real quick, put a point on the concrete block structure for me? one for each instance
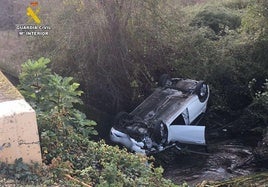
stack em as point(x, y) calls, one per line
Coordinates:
point(19, 136)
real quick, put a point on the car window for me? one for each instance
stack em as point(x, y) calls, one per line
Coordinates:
point(179, 120)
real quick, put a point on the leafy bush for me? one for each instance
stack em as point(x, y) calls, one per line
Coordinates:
point(53, 97)
point(217, 19)
point(110, 166)
point(19, 171)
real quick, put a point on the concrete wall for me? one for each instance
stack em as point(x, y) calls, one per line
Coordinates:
point(18, 128)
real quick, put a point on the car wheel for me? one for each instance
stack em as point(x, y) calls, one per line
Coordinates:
point(164, 80)
point(202, 91)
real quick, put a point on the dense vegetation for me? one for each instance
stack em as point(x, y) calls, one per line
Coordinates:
point(69, 155)
point(117, 49)
point(118, 52)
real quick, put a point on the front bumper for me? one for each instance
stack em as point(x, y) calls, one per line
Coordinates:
point(124, 139)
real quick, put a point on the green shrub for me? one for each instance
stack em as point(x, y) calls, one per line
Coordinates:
point(54, 99)
point(217, 19)
point(19, 171)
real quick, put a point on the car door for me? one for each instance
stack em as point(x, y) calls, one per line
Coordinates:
point(188, 134)
point(195, 108)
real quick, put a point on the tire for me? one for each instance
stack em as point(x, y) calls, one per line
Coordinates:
point(164, 80)
point(202, 91)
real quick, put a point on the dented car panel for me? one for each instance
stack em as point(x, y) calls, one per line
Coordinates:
point(163, 104)
point(164, 118)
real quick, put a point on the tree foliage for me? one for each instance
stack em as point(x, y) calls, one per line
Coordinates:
point(53, 97)
point(218, 19)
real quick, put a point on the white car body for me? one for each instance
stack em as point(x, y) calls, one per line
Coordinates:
point(165, 117)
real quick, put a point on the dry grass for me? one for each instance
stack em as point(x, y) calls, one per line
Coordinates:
point(12, 51)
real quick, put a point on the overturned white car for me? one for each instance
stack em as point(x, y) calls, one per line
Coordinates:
point(164, 118)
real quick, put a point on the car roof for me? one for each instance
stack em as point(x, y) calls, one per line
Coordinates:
point(163, 104)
